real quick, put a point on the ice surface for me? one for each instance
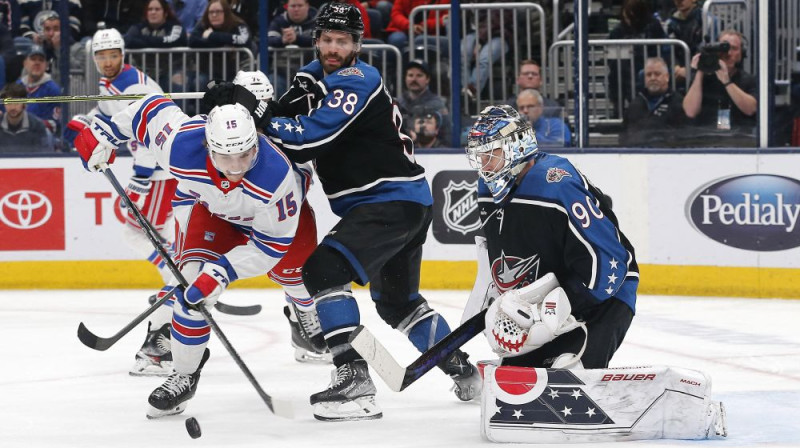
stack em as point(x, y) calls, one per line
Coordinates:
point(55, 392)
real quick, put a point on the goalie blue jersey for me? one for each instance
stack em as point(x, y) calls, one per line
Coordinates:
point(556, 221)
point(348, 124)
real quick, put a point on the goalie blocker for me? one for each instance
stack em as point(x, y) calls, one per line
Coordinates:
point(537, 405)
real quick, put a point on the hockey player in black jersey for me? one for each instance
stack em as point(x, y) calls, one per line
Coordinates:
point(339, 114)
point(549, 231)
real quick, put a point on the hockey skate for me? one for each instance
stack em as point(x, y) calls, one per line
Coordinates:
point(171, 397)
point(155, 356)
point(717, 428)
point(467, 378)
point(307, 340)
point(350, 396)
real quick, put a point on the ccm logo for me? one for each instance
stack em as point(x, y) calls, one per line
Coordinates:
point(629, 377)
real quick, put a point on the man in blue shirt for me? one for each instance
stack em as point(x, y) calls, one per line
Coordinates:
point(550, 131)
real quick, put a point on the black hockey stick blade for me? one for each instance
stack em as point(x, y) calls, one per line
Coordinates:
point(93, 341)
point(247, 310)
point(398, 377)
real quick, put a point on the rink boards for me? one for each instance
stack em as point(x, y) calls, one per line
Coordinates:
point(702, 224)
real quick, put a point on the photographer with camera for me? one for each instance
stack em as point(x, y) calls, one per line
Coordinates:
point(726, 100)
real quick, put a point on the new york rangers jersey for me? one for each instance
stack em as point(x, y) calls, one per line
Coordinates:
point(348, 124)
point(131, 81)
point(553, 221)
point(265, 205)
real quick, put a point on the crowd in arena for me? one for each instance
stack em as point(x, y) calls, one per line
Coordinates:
point(650, 101)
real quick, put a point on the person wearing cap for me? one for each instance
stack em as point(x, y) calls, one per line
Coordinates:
point(418, 96)
point(21, 132)
point(39, 84)
point(426, 130)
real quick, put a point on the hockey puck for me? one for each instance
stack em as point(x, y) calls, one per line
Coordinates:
point(193, 427)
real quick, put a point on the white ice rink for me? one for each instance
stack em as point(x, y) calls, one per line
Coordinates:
point(55, 392)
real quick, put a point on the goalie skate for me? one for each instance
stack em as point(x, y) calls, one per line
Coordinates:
point(171, 397)
point(350, 396)
point(718, 428)
point(307, 340)
point(155, 356)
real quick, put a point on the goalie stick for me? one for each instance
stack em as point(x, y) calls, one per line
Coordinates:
point(398, 377)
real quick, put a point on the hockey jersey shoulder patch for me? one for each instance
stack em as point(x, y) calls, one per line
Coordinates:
point(555, 174)
point(350, 71)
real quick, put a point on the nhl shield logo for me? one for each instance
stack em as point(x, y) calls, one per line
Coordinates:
point(225, 184)
point(461, 206)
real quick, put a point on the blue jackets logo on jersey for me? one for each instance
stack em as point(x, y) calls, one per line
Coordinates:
point(754, 212)
point(350, 71)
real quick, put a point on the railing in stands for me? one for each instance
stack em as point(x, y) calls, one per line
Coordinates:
point(608, 56)
point(503, 73)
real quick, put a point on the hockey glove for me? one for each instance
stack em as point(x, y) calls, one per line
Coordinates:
point(229, 93)
point(137, 191)
point(74, 127)
point(207, 287)
point(96, 147)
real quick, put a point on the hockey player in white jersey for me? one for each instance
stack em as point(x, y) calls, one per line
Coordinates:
point(150, 187)
point(300, 311)
point(239, 208)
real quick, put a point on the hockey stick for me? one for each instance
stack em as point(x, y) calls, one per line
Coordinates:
point(158, 242)
point(283, 409)
point(93, 341)
point(81, 98)
point(398, 377)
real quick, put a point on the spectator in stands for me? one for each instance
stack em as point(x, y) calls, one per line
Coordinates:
point(685, 23)
point(247, 10)
point(38, 84)
point(35, 12)
point(655, 113)
point(530, 77)
point(293, 27)
point(120, 15)
point(7, 52)
point(189, 12)
point(399, 22)
point(417, 96)
point(160, 28)
point(426, 126)
point(725, 99)
point(219, 27)
point(10, 15)
point(20, 131)
point(484, 46)
point(637, 22)
point(550, 131)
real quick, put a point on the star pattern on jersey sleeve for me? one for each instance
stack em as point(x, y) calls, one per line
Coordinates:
point(288, 127)
point(612, 279)
point(276, 126)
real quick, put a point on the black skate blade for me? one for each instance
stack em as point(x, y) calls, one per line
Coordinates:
point(235, 310)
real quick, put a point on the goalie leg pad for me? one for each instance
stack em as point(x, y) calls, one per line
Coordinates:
point(537, 405)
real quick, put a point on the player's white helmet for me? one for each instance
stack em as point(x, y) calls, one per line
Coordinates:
point(498, 144)
point(230, 131)
point(257, 83)
point(109, 39)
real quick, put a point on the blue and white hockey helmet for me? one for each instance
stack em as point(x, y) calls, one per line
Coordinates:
point(498, 144)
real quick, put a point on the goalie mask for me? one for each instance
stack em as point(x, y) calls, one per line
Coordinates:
point(108, 63)
point(498, 145)
point(342, 18)
point(257, 83)
point(232, 140)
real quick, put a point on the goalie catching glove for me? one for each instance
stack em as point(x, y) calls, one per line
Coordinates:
point(522, 320)
point(206, 288)
point(97, 143)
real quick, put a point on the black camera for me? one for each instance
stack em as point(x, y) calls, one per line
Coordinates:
point(710, 55)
